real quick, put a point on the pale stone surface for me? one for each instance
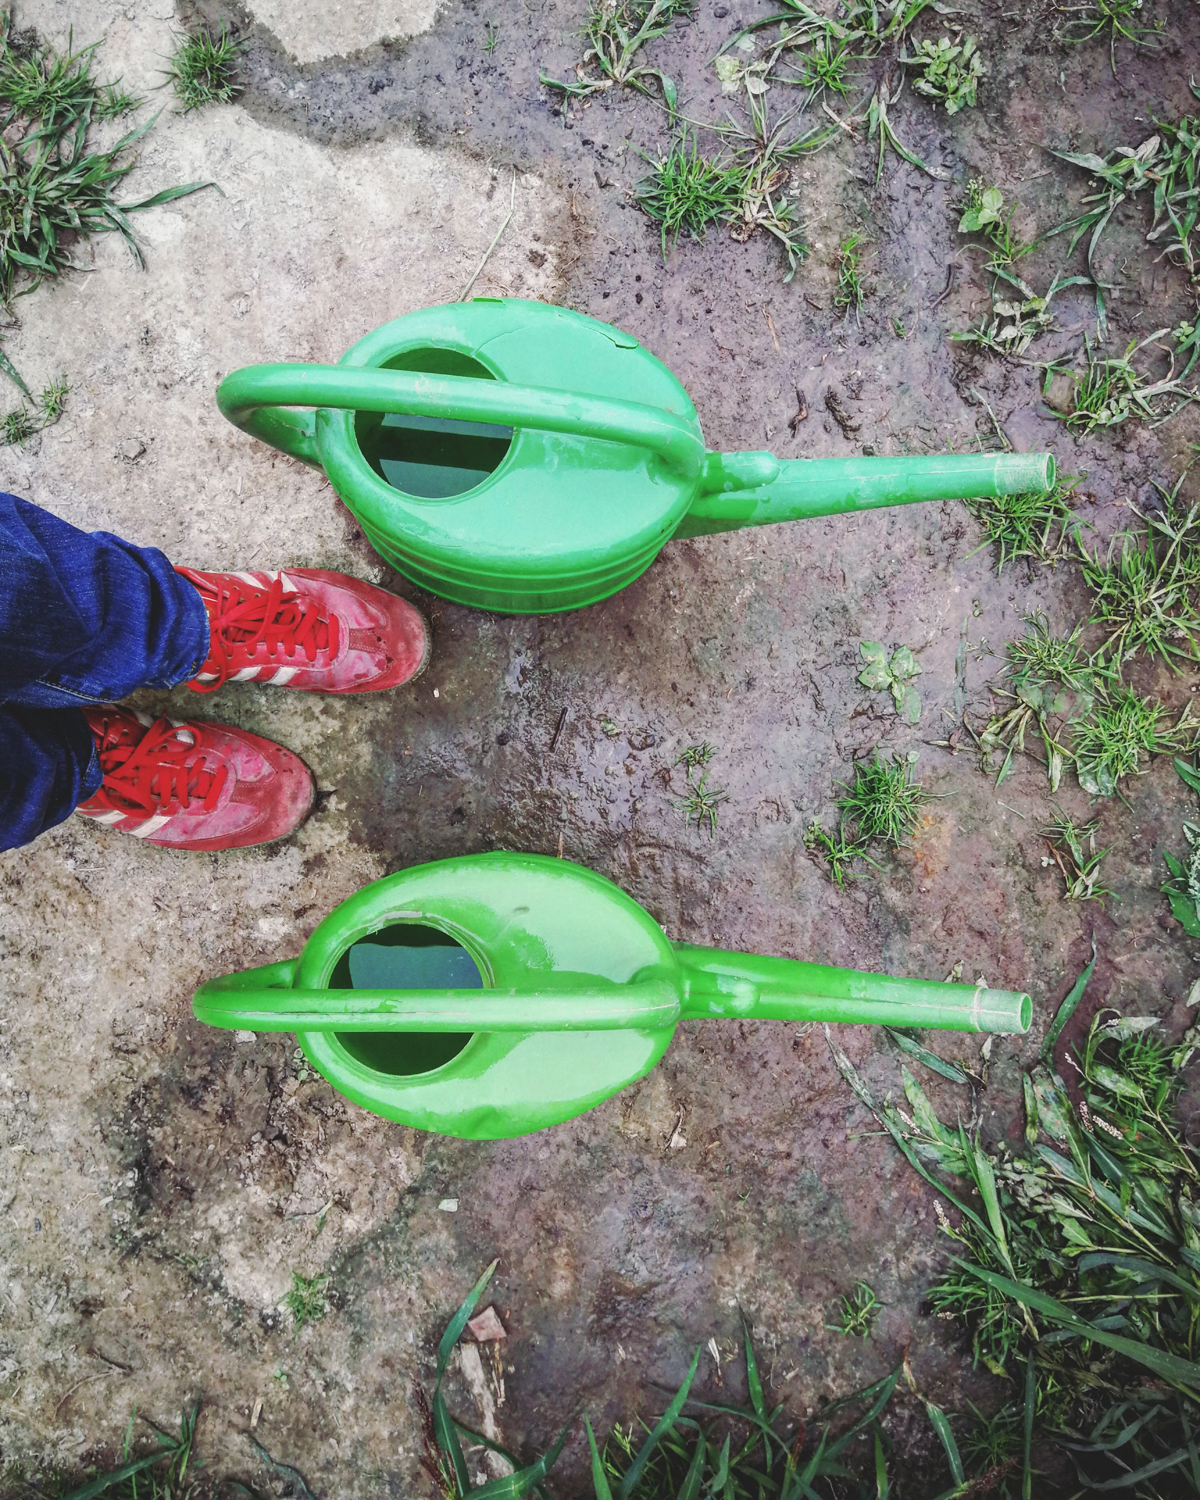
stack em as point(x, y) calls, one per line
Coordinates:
point(103, 939)
point(312, 32)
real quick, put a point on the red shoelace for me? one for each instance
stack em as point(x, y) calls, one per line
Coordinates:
point(156, 774)
point(242, 618)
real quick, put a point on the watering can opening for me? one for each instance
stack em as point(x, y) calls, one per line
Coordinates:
point(432, 458)
point(405, 956)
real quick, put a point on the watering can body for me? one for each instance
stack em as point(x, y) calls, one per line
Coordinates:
point(534, 990)
point(524, 458)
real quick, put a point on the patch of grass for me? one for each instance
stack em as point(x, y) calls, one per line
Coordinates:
point(54, 191)
point(749, 1451)
point(1165, 166)
point(53, 399)
point(1110, 390)
point(1031, 525)
point(201, 69)
point(17, 427)
point(491, 36)
point(1117, 17)
point(1182, 889)
point(1076, 1270)
point(1146, 587)
point(1122, 733)
point(616, 31)
point(1048, 676)
point(307, 1300)
point(37, 84)
point(826, 66)
point(850, 291)
point(687, 192)
point(949, 72)
point(883, 803)
point(856, 1315)
point(1073, 849)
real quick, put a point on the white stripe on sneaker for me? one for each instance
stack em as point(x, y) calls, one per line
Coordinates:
point(255, 583)
point(283, 676)
point(245, 674)
point(151, 825)
point(112, 816)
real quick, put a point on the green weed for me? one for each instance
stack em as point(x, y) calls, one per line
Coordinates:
point(895, 673)
point(53, 190)
point(826, 66)
point(1109, 391)
point(748, 1451)
point(849, 292)
point(491, 36)
point(1048, 676)
point(949, 72)
point(307, 1300)
point(1117, 17)
point(1076, 1269)
point(1145, 588)
point(700, 804)
point(856, 1315)
point(1031, 525)
point(201, 69)
point(53, 399)
point(16, 427)
point(883, 803)
point(687, 192)
point(982, 212)
point(1121, 734)
point(1182, 889)
point(616, 31)
point(1073, 849)
point(19, 425)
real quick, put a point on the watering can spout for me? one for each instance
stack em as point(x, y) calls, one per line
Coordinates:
point(754, 489)
point(748, 987)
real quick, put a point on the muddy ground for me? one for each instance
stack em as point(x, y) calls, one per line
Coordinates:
point(161, 1181)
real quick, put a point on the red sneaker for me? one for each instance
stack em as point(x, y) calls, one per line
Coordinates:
point(305, 628)
point(194, 786)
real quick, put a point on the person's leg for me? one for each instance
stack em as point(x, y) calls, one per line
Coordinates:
point(86, 617)
point(48, 766)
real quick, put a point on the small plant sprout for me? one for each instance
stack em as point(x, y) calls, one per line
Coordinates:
point(983, 214)
point(491, 36)
point(879, 125)
point(949, 72)
point(857, 1312)
point(1031, 525)
point(850, 291)
point(616, 31)
point(825, 65)
point(307, 1300)
point(1116, 17)
point(895, 674)
point(700, 804)
point(53, 399)
point(201, 69)
point(1073, 850)
point(16, 427)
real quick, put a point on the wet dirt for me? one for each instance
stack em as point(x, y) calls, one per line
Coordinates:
point(740, 1177)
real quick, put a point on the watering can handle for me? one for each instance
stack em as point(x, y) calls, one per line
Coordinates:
point(256, 399)
point(253, 1002)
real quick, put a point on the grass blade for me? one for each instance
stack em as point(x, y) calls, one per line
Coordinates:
point(939, 1064)
point(691, 1484)
point(599, 1478)
point(941, 1426)
point(516, 1486)
point(104, 1482)
point(1067, 1009)
point(1027, 1428)
point(459, 1321)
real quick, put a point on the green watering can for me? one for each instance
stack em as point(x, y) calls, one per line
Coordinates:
point(494, 995)
point(519, 457)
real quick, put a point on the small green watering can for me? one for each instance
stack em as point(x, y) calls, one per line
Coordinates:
point(494, 995)
point(519, 457)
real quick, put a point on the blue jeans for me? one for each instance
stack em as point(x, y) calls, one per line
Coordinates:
point(84, 618)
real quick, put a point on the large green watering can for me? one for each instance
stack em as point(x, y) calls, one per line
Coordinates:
point(491, 996)
point(519, 457)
